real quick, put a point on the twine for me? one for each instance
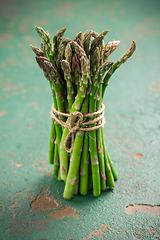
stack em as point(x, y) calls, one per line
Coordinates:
point(74, 126)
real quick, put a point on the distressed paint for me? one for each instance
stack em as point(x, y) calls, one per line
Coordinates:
point(131, 128)
point(131, 209)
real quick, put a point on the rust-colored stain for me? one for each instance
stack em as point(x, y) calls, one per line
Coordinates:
point(146, 29)
point(3, 184)
point(65, 222)
point(44, 22)
point(156, 87)
point(26, 195)
point(150, 232)
point(37, 89)
point(3, 65)
point(12, 206)
point(140, 165)
point(6, 229)
point(12, 61)
point(29, 127)
point(94, 12)
point(63, 212)
point(29, 38)
point(13, 89)
point(13, 195)
point(95, 232)
point(36, 165)
point(19, 164)
point(6, 36)
point(66, 9)
point(2, 113)
point(102, 231)
point(45, 191)
point(147, 25)
point(113, 139)
point(90, 24)
point(2, 155)
point(2, 207)
point(138, 155)
point(129, 175)
point(42, 169)
point(154, 210)
point(34, 104)
point(142, 145)
point(131, 139)
point(24, 25)
point(43, 203)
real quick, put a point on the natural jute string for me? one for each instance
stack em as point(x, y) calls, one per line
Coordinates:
point(73, 126)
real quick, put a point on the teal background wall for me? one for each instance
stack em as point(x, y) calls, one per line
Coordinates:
point(132, 129)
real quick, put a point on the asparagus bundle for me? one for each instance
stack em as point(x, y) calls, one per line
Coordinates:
point(79, 72)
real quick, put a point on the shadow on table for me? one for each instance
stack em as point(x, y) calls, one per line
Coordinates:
point(50, 186)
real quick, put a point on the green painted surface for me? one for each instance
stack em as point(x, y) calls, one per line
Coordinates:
point(132, 129)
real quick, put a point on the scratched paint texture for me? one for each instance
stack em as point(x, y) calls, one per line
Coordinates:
point(31, 202)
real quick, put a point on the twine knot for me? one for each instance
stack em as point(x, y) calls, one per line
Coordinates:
point(75, 123)
point(76, 120)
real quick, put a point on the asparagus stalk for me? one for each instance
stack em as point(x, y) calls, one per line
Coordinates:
point(40, 53)
point(67, 75)
point(109, 173)
point(84, 34)
point(61, 52)
point(76, 153)
point(51, 142)
point(53, 134)
point(76, 106)
point(92, 134)
point(76, 69)
point(75, 160)
point(84, 167)
point(78, 36)
point(116, 65)
point(50, 74)
point(57, 39)
point(70, 96)
point(102, 161)
point(110, 168)
point(37, 51)
point(86, 43)
point(76, 186)
point(94, 97)
point(108, 49)
point(80, 43)
point(93, 149)
point(99, 144)
point(54, 78)
point(56, 160)
point(47, 43)
point(95, 63)
point(90, 183)
point(74, 166)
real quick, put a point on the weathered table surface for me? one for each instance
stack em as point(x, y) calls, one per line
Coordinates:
point(31, 202)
